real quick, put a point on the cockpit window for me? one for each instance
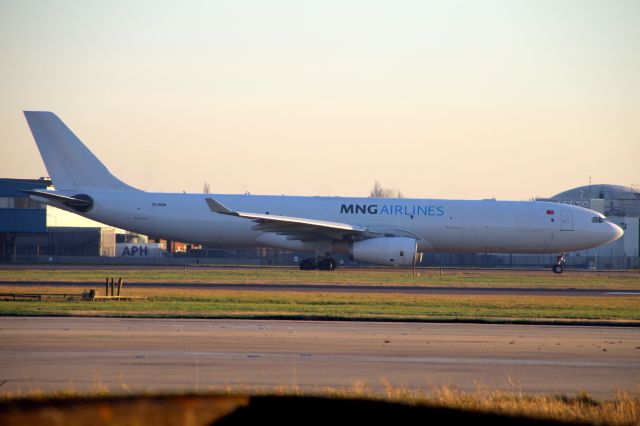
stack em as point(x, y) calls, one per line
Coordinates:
point(596, 219)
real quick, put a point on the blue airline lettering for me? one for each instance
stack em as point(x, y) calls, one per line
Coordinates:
point(346, 209)
point(392, 209)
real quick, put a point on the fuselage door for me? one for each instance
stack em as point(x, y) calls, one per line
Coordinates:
point(566, 220)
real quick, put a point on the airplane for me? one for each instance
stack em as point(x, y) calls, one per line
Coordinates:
point(382, 231)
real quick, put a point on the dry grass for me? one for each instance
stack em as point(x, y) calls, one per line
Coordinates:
point(624, 409)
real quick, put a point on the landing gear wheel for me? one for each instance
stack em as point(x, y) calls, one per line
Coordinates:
point(327, 264)
point(558, 266)
point(308, 264)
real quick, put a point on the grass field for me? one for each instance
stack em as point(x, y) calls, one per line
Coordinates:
point(193, 303)
point(426, 277)
point(196, 303)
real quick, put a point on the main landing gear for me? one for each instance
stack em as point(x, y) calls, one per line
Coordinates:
point(558, 266)
point(322, 264)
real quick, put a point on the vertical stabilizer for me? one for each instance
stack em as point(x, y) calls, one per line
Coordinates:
point(69, 163)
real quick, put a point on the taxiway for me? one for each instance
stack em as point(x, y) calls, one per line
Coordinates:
point(178, 354)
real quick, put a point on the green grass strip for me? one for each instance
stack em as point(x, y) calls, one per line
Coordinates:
point(229, 304)
point(426, 277)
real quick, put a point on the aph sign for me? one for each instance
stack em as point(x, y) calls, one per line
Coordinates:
point(135, 251)
point(138, 250)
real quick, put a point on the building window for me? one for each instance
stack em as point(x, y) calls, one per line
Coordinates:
point(19, 203)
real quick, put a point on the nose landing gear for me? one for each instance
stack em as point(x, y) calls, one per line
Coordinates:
point(558, 267)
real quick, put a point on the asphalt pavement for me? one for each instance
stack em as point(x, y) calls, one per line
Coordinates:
point(121, 355)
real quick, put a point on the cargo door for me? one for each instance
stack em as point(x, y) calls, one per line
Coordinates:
point(566, 220)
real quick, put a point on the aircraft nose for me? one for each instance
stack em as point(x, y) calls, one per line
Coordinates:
point(614, 232)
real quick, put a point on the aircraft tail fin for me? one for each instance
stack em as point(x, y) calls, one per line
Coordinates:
point(70, 164)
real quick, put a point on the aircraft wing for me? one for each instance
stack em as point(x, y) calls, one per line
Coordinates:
point(296, 228)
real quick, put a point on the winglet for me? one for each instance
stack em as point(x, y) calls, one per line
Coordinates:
point(217, 207)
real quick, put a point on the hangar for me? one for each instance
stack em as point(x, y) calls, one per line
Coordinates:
point(26, 233)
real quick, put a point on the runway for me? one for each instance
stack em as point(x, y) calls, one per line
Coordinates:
point(342, 288)
point(172, 354)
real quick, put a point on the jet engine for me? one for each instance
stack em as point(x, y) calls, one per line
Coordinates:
point(392, 251)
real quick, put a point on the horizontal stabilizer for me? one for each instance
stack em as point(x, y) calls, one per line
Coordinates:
point(80, 202)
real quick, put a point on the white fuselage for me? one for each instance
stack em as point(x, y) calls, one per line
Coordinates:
point(437, 225)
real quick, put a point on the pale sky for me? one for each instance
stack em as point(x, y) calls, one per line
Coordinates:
point(452, 99)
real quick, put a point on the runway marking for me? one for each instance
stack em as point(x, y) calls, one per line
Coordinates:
point(149, 356)
point(427, 360)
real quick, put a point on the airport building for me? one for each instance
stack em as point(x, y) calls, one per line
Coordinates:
point(18, 213)
point(27, 234)
point(32, 232)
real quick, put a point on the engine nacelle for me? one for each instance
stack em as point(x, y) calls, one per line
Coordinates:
point(391, 251)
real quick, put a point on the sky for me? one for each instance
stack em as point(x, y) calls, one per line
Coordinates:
point(450, 99)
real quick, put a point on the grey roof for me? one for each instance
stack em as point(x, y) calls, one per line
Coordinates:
point(608, 192)
point(618, 200)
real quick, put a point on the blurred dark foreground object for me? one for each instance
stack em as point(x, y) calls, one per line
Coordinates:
point(200, 410)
